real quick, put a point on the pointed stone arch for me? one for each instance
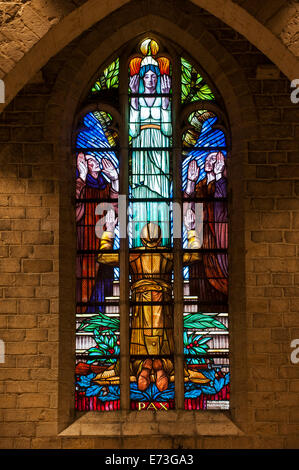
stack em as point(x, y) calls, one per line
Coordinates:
point(92, 11)
point(71, 86)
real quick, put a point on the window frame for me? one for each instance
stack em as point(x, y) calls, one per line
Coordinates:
point(178, 121)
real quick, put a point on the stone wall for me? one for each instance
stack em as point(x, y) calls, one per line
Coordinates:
point(37, 242)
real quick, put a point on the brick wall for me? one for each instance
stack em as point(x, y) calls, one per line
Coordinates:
point(29, 271)
point(36, 289)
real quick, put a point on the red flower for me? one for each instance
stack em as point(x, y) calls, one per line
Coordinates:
point(111, 351)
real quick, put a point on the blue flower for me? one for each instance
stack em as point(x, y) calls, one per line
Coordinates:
point(152, 393)
point(192, 390)
point(85, 380)
point(93, 391)
point(111, 392)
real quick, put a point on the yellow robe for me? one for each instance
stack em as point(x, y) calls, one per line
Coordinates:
point(151, 295)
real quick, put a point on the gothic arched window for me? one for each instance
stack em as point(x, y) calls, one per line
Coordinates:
point(151, 147)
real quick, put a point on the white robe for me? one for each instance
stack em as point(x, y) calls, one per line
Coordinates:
point(150, 167)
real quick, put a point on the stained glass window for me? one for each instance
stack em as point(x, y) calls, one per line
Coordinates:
point(97, 188)
point(130, 140)
point(150, 195)
point(206, 278)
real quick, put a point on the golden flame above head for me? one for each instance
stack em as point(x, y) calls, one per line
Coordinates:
point(149, 47)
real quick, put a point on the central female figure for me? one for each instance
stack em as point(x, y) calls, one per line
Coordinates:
point(150, 129)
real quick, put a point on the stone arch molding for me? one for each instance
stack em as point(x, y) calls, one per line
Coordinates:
point(231, 82)
point(93, 11)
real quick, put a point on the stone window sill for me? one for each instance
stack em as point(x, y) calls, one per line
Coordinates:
point(168, 423)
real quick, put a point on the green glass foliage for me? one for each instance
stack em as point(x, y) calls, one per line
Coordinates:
point(109, 78)
point(201, 321)
point(107, 346)
point(193, 86)
point(101, 321)
point(103, 328)
point(197, 321)
point(195, 344)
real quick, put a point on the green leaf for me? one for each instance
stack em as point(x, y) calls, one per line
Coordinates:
point(200, 350)
point(186, 64)
point(93, 350)
point(100, 321)
point(205, 92)
point(111, 67)
point(114, 81)
point(200, 321)
point(187, 74)
point(185, 92)
point(105, 80)
point(185, 80)
point(205, 339)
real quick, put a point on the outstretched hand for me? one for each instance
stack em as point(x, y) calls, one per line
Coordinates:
point(109, 169)
point(111, 221)
point(165, 84)
point(134, 83)
point(193, 171)
point(82, 166)
point(219, 164)
point(189, 220)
